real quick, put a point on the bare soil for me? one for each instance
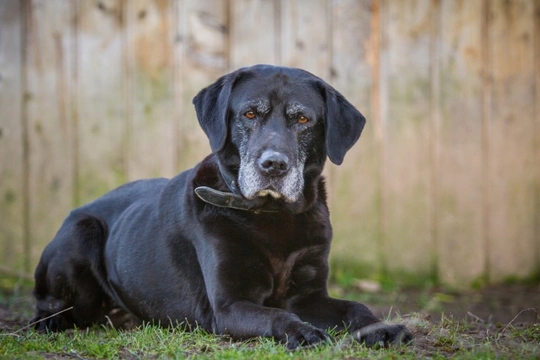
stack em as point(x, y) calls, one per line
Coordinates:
point(494, 305)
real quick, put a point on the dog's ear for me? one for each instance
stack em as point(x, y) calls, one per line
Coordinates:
point(343, 124)
point(212, 106)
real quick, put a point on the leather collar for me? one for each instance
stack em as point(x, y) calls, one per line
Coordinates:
point(233, 199)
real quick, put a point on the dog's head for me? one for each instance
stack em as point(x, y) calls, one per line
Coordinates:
point(271, 127)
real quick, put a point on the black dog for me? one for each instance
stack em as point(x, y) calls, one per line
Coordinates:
point(237, 245)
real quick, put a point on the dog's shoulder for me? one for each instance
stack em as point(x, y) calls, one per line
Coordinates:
point(207, 173)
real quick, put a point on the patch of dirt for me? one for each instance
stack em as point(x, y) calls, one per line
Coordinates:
point(493, 305)
point(15, 312)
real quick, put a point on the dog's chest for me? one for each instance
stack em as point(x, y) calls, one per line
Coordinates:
point(290, 274)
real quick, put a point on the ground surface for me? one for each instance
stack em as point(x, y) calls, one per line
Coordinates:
point(499, 321)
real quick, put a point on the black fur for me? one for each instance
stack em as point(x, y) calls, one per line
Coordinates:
point(156, 251)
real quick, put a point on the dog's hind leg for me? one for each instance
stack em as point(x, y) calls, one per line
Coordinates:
point(69, 278)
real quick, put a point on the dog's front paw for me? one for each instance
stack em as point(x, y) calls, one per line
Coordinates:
point(51, 323)
point(383, 335)
point(304, 335)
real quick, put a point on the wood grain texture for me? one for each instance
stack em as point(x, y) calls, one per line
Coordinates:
point(50, 128)
point(12, 163)
point(406, 116)
point(201, 56)
point(254, 33)
point(512, 176)
point(306, 43)
point(459, 203)
point(536, 129)
point(102, 96)
point(305, 35)
point(356, 187)
point(151, 128)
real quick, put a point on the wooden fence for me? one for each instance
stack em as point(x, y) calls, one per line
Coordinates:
point(444, 182)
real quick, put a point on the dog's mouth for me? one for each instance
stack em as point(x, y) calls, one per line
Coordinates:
point(269, 192)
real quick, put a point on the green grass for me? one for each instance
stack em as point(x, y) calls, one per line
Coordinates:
point(153, 342)
point(456, 338)
point(446, 336)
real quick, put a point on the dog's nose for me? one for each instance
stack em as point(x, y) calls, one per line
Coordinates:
point(273, 163)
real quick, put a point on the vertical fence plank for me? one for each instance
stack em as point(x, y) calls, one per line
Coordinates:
point(50, 129)
point(200, 58)
point(405, 102)
point(460, 237)
point(512, 166)
point(305, 35)
point(254, 32)
point(356, 187)
point(150, 42)
point(11, 138)
point(536, 41)
point(102, 139)
point(306, 43)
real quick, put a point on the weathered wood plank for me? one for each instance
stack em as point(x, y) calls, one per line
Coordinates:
point(356, 187)
point(305, 35)
point(152, 132)
point(12, 171)
point(254, 33)
point(459, 212)
point(512, 164)
point(536, 41)
point(50, 128)
point(102, 117)
point(201, 56)
point(406, 115)
point(306, 42)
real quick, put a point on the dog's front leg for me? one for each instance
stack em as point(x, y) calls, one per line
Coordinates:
point(240, 294)
point(326, 312)
point(245, 319)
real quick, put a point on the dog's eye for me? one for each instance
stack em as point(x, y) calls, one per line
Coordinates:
point(250, 114)
point(302, 119)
